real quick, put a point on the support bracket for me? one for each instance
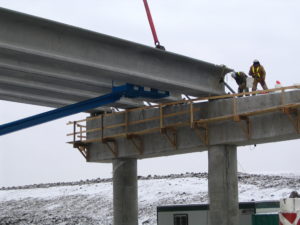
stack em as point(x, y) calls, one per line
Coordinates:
point(82, 147)
point(138, 142)
point(246, 127)
point(171, 134)
point(112, 145)
point(294, 116)
point(201, 131)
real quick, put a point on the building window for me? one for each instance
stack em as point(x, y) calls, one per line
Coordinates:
point(181, 219)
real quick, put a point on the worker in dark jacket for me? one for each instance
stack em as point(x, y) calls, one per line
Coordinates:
point(258, 72)
point(241, 80)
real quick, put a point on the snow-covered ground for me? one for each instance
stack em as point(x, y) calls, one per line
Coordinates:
point(90, 202)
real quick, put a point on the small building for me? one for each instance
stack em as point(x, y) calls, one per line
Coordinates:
point(251, 213)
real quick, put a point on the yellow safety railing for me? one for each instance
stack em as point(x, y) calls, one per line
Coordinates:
point(80, 131)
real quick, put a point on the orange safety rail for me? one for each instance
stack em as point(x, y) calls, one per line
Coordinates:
point(79, 133)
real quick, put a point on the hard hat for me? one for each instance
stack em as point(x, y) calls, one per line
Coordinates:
point(255, 61)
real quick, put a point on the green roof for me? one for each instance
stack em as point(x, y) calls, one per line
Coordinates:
point(195, 207)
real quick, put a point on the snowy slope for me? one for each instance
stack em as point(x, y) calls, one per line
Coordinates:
point(90, 202)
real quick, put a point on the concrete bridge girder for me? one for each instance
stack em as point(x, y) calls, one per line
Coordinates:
point(70, 56)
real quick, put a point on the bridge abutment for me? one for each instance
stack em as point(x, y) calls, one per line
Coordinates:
point(223, 185)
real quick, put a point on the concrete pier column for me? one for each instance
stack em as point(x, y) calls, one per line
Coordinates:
point(223, 185)
point(125, 196)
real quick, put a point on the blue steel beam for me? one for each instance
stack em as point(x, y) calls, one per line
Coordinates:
point(127, 90)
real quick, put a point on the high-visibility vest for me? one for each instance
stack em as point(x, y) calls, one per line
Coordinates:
point(256, 72)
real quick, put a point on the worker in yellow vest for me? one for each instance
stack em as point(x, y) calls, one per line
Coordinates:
point(258, 72)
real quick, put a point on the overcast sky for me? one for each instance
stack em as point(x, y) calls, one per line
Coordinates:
point(222, 32)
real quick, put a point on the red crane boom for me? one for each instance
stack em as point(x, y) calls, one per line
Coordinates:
point(156, 42)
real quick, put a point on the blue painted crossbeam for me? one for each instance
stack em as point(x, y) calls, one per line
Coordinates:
point(127, 90)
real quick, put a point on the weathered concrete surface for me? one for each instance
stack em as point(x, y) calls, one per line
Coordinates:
point(125, 195)
point(270, 127)
point(52, 64)
point(223, 185)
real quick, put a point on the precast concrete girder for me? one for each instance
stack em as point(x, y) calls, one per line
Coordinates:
point(53, 79)
point(71, 56)
point(36, 93)
point(12, 96)
point(275, 121)
point(32, 80)
point(30, 100)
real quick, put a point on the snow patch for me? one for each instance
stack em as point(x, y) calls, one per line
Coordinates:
point(91, 202)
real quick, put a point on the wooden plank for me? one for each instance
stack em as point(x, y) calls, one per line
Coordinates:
point(161, 117)
point(191, 114)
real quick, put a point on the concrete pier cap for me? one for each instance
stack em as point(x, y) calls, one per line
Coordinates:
point(261, 119)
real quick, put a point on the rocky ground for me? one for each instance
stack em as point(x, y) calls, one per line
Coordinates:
point(90, 202)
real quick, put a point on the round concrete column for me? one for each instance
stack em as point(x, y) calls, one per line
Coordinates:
point(223, 185)
point(125, 200)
